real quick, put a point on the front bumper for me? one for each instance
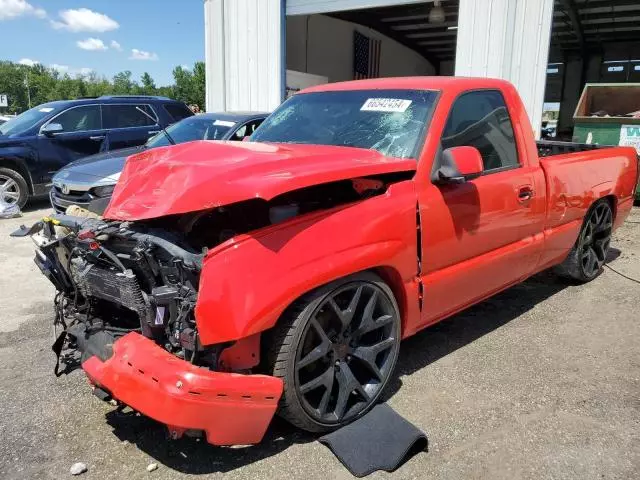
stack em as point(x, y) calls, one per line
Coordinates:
point(231, 409)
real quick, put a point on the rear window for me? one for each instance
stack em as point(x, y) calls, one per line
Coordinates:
point(177, 111)
point(127, 116)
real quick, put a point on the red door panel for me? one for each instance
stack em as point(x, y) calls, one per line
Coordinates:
point(479, 237)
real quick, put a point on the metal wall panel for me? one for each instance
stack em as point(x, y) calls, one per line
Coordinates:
point(308, 7)
point(507, 39)
point(244, 59)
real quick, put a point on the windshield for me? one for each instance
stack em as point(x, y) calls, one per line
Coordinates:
point(192, 128)
point(28, 119)
point(389, 121)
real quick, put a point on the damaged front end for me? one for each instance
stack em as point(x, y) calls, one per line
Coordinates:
point(124, 311)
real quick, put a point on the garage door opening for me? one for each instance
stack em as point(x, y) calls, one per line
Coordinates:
point(592, 41)
point(400, 40)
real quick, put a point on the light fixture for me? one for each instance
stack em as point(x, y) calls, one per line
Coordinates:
point(436, 14)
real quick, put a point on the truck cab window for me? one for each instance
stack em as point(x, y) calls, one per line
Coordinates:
point(480, 119)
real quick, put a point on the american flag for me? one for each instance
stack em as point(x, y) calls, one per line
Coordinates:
point(366, 56)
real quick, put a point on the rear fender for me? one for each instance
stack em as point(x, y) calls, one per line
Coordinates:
point(247, 282)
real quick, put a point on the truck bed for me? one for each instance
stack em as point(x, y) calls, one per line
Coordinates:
point(548, 148)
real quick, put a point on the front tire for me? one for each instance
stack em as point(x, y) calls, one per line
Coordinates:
point(13, 188)
point(335, 350)
point(589, 254)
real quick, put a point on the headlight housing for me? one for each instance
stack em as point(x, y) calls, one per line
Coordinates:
point(104, 191)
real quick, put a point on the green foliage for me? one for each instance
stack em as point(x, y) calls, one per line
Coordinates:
point(46, 84)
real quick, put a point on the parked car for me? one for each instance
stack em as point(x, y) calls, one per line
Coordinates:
point(89, 182)
point(229, 280)
point(37, 143)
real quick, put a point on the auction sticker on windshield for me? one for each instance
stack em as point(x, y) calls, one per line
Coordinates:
point(385, 105)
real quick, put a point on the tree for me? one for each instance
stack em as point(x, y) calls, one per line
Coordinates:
point(148, 86)
point(122, 83)
point(46, 84)
point(199, 84)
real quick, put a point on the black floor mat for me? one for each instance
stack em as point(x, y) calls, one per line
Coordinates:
point(381, 440)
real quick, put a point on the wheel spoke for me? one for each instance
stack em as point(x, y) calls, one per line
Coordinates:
point(369, 354)
point(12, 195)
point(325, 379)
point(592, 261)
point(371, 326)
point(347, 384)
point(345, 316)
point(320, 331)
point(324, 402)
point(316, 354)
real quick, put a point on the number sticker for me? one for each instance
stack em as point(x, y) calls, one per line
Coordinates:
point(385, 105)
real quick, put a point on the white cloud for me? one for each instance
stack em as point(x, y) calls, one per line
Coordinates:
point(84, 20)
point(59, 68)
point(91, 44)
point(84, 71)
point(28, 62)
point(16, 8)
point(116, 46)
point(142, 55)
point(185, 67)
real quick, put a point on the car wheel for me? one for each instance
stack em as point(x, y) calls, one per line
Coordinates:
point(13, 188)
point(589, 254)
point(335, 350)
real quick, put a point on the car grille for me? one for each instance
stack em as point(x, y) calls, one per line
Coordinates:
point(61, 201)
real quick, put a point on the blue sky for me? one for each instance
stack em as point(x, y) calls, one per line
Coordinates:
point(106, 36)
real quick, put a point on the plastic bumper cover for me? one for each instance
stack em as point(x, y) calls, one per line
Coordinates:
point(231, 409)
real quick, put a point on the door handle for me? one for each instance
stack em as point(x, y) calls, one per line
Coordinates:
point(153, 132)
point(525, 194)
point(96, 137)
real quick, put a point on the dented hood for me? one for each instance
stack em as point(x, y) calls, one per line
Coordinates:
point(207, 174)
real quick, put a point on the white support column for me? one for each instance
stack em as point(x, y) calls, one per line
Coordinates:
point(244, 59)
point(507, 39)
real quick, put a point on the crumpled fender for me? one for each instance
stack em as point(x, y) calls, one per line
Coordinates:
point(247, 282)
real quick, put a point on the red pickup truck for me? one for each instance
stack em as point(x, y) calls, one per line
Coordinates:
point(227, 281)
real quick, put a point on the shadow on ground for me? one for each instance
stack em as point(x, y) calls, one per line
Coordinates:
point(196, 456)
point(447, 336)
point(193, 456)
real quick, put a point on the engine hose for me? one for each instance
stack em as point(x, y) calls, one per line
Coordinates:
point(113, 258)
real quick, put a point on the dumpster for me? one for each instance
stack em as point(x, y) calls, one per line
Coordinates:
point(609, 114)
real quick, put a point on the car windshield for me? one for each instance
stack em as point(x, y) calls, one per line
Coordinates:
point(192, 128)
point(389, 121)
point(28, 119)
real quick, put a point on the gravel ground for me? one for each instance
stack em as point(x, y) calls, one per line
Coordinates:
point(542, 381)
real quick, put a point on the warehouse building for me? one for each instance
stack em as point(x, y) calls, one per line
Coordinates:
point(260, 51)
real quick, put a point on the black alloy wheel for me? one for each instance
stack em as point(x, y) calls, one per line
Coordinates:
point(595, 239)
point(589, 254)
point(344, 343)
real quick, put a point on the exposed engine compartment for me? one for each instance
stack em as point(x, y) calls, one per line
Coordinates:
point(115, 277)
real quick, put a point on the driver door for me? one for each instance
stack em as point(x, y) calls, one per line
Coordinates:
point(81, 135)
point(483, 235)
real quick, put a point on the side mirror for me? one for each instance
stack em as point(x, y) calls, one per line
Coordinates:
point(51, 128)
point(459, 164)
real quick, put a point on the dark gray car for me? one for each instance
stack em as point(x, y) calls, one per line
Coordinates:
point(89, 182)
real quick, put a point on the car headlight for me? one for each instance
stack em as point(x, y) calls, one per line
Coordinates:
point(104, 191)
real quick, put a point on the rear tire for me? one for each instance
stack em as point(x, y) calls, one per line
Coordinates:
point(335, 349)
point(13, 188)
point(589, 254)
